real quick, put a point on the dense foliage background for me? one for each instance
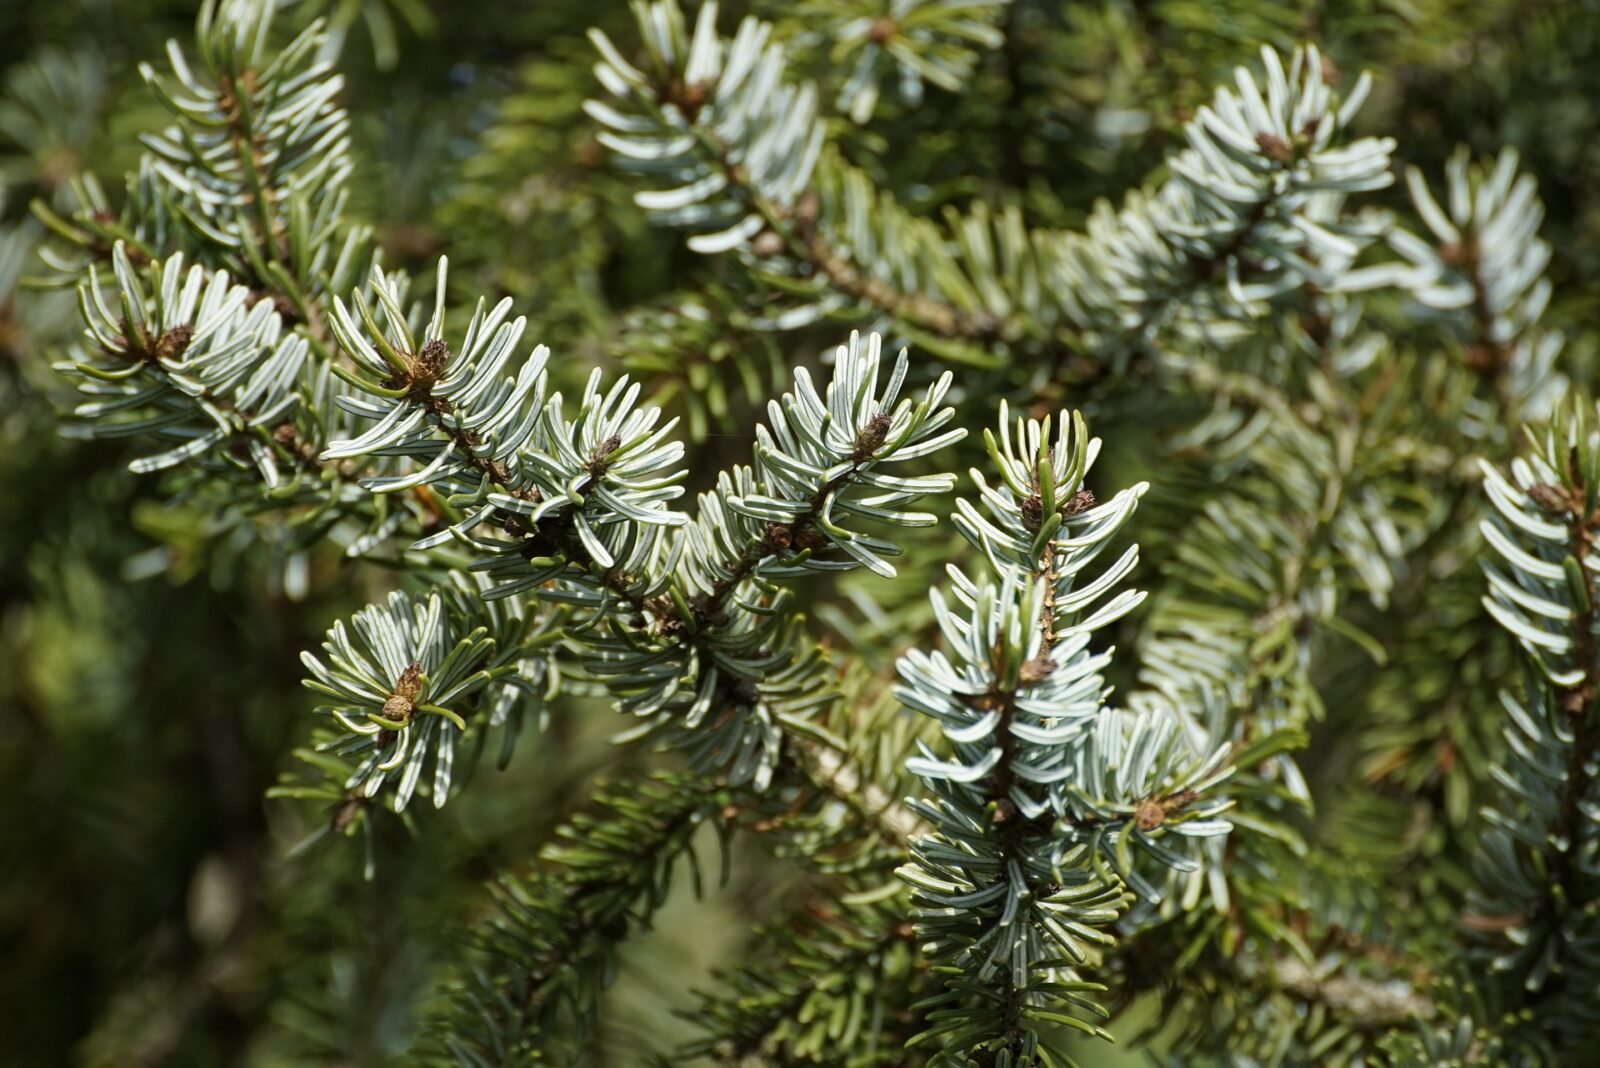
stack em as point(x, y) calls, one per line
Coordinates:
point(149, 912)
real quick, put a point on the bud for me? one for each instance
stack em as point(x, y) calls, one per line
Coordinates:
point(872, 436)
point(402, 701)
point(1150, 815)
point(1032, 511)
point(430, 362)
point(171, 345)
point(410, 684)
point(599, 458)
point(1037, 670)
point(1458, 254)
point(1081, 501)
point(1274, 147)
point(810, 539)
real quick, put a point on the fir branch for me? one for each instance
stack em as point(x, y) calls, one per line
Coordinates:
point(531, 982)
point(1263, 176)
point(722, 134)
point(838, 991)
point(1534, 906)
point(1014, 884)
point(422, 675)
point(189, 358)
point(1484, 275)
point(231, 311)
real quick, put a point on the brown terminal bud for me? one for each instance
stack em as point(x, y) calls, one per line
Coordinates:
point(1458, 253)
point(431, 360)
point(1482, 358)
point(777, 538)
point(599, 459)
point(694, 96)
point(1081, 501)
point(807, 208)
point(872, 436)
point(689, 98)
point(403, 701)
point(1037, 670)
point(1032, 511)
point(1274, 147)
point(410, 684)
point(1150, 815)
point(881, 30)
point(346, 812)
point(171, 345)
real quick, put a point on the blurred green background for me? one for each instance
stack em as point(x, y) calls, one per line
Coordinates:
point(148, 668)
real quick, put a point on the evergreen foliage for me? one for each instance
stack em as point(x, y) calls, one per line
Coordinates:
point(579, 360)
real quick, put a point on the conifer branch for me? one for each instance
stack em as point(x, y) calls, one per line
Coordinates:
point(1536, 866)
point(535, 970)
point(1262, 181)
point(1062, 854)
point(787, 1009)
point(1015, 884)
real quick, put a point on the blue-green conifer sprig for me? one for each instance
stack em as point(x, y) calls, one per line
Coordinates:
point(1534, 593)
point(499, 443)
point(1484, 274)
point(727, 633)
point(824, 234)
point(303, 135)
point(252, 177)
point(276, 203)
point(400, 685)
point(1041, 791)
point(183, 356)
point(737, 93)
point(1059, 841)
point(1532, 913)
point(1486, 236)
point(820, 458)
point(1264, 179)
point(1255, 209)
point(909, 43)
point(213, 189)
point(423, 400)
